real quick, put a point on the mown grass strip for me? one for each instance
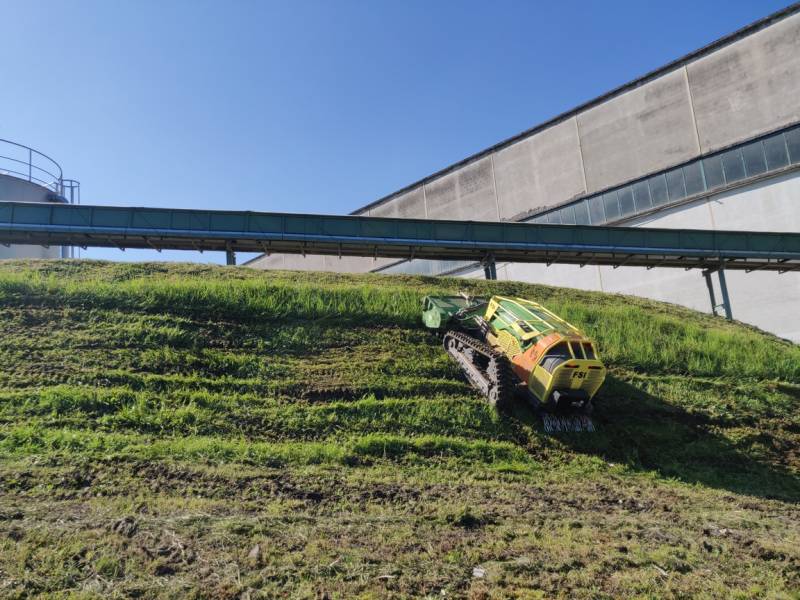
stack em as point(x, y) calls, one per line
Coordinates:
point(630, 335)
point(205, 413)
point(32, 440)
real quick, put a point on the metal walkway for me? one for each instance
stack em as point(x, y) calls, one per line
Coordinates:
point(228, 231)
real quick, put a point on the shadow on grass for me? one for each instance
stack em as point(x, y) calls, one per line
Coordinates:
point(644, 432)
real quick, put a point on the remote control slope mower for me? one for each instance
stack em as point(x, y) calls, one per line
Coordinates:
point(511, 346)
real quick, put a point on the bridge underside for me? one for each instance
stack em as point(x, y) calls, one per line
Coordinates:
point(550, 254)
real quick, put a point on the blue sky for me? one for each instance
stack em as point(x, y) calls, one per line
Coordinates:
point(317, 106)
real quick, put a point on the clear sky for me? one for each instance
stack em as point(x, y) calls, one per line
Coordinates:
point(317, 106)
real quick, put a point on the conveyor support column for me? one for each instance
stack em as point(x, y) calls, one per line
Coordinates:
point(490, 268)
point(723, 287)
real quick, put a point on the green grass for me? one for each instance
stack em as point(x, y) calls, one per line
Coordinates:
point(157, 422)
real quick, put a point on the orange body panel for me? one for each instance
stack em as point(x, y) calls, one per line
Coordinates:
point(543, 344)
point(523, 364)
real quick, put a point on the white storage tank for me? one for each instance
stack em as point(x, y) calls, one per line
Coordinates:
point(27, 175)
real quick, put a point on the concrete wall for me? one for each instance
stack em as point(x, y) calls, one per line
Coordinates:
point(746, 87)
point(18, 190)
point(468, 193)
point(767, 300)
point(410, 205)
point(540, 171)
point(25, 251)
point(642, 131)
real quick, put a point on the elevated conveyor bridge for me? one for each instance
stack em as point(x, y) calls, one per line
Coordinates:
point(485, 242)
point(231, 231)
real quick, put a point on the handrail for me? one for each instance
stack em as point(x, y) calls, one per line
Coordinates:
point(40, 167)
point(51, 185)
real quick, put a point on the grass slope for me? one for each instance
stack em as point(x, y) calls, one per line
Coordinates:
point(178, 430)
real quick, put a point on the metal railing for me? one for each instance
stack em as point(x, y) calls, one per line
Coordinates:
point(24, 162)
point(71, 191)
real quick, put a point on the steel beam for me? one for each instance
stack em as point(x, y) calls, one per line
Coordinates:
point(138, 227)
point(490, 269)
point(723, 288)
point(712, 297)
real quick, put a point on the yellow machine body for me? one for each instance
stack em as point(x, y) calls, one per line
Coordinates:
point(556, 360)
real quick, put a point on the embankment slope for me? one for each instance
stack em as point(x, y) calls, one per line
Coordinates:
point(182, 430)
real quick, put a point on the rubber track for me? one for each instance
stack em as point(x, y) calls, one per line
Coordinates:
point(504, 379)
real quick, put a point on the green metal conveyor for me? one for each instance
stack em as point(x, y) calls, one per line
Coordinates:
point(486, 242)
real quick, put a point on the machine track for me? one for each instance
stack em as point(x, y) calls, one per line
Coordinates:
point(488, 370)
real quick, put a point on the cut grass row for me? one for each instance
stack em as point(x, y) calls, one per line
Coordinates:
point(630, 336)
point(202, 413)
point(636, 430)
point(44, 441)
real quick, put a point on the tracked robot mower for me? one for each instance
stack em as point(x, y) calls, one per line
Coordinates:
point(509, 347)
